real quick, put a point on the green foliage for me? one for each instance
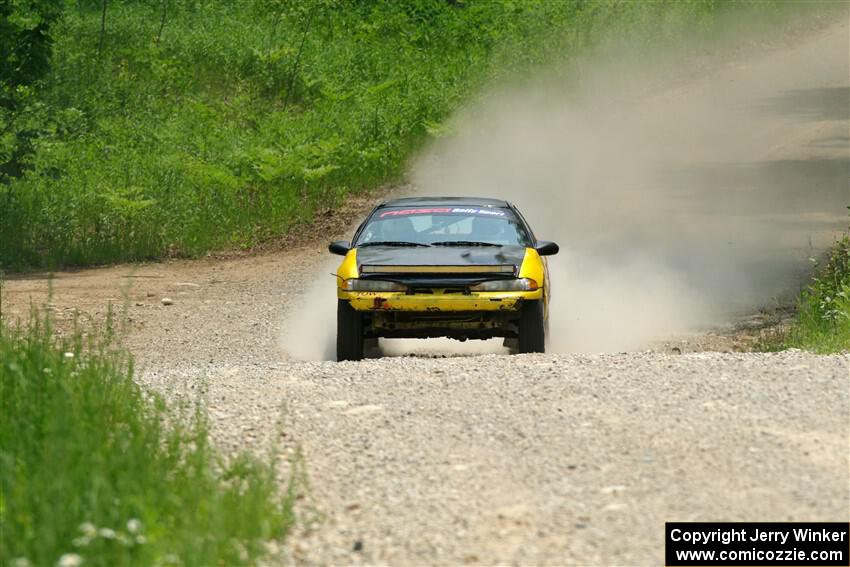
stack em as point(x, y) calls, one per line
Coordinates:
point(92, 465)
point(25, 42)
point(25, 47)
point(822, 322)
point(830, 285)
point(206, 123)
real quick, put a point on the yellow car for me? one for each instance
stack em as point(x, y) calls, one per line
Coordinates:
point(464, 268)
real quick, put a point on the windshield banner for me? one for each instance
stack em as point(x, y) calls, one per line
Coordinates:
point(444, 211)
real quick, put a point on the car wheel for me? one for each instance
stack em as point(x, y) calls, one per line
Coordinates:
point(532, 327)
point(349, 332)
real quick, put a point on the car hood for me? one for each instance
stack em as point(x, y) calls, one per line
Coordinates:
point(440, 259)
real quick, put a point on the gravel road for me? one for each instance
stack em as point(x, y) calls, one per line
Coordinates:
point(479, 458)
point(541, 459)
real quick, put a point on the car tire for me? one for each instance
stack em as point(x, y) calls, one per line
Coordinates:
point(532, 328)
point(349, 332)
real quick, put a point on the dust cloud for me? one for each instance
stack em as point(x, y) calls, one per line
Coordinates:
point(681, 196)
point(309, 330)
point(678, 200)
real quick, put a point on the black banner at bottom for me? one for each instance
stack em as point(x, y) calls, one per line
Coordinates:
point(762, 544)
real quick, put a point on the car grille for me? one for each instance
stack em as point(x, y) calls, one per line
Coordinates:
point(439, 291)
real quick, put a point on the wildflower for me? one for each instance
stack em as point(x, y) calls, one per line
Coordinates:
point(81, 541)
point(47, 371)
point(70, 560)
point(89, 530)
point(106, 533)
point(172, 559)
point(134, 525)
point(69, 355)
point(21, 562)
point(141, 540)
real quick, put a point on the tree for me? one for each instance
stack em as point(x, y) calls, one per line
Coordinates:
point(25, 48)
point(25, 43)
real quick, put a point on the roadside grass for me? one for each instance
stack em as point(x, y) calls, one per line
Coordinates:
point(96, 470)
point(822, 320)
point(213, 124)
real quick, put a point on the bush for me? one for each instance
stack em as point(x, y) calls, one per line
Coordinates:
point(92, 467)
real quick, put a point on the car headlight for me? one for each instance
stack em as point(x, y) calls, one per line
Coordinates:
point(356, 284)
point(521, 284)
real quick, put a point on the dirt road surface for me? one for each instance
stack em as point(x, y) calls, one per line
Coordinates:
point(532, 459)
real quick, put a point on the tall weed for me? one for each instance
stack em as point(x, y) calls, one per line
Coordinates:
point(94, 468)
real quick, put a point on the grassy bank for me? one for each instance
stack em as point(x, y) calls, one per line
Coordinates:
point(171, 127)
point(822, 321)
point(93, 470)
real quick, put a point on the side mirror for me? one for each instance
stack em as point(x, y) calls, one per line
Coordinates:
point(546, 248)
point(340, 247)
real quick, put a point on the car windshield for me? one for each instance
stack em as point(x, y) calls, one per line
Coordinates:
point(444, 226)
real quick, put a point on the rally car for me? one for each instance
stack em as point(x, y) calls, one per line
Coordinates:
point(464, 268)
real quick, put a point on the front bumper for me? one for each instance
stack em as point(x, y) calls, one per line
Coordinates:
point(438, 300)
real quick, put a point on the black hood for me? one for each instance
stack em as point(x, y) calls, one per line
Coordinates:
point(473, 263)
